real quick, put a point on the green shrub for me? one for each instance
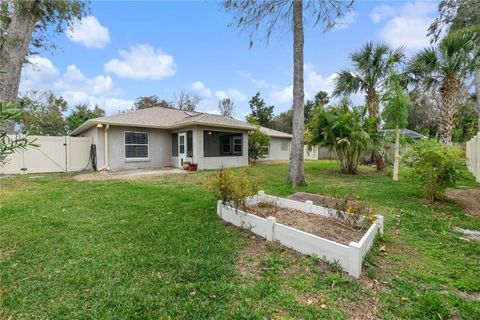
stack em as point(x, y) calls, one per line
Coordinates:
point(231, 187)
point(438, 167)
point(257, 145)
point(344, 130)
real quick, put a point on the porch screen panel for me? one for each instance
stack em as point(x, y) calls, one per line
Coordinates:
point(189, 143)
point(222, 144)
point(174, 144)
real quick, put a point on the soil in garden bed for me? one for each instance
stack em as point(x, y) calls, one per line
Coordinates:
point(318, 225)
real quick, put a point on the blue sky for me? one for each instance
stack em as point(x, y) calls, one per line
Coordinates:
point(124, 50)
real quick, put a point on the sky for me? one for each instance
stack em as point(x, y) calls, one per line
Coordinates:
point(126, 49)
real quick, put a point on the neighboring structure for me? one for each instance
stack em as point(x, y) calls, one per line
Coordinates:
point(473, 156)
point(279, 148)
point(280, 143)
point(158, 137)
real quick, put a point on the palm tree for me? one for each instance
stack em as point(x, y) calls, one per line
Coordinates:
point(266, 16)
point(371, 66)
point(444, 69)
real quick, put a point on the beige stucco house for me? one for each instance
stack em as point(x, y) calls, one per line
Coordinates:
point(279, 148)
point(158, 137)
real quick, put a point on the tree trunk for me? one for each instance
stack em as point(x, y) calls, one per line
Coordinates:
point(396, 160)
point(296, 173)
point(373, 111)
point(477, 94)
point(449, 93)
point(13, 49)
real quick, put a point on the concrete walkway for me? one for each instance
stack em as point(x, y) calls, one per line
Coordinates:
point(128, 174)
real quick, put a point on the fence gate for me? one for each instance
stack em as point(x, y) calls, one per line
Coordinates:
point(53, 154)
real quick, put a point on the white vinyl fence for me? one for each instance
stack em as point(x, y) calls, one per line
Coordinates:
point(473, 156)
point(53, 154)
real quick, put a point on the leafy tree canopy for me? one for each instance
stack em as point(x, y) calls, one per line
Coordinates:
point(82, 113)
point(151, 101)
point(261, 113)
point(43, 114)
point(10, 143)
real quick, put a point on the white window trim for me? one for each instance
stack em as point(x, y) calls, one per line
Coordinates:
point(136, 144)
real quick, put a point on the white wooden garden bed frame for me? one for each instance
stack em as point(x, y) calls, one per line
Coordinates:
point(350, 257)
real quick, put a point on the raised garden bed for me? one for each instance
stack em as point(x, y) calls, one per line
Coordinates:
point(306, 228)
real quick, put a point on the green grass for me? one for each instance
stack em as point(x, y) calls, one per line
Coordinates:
point(155, 249)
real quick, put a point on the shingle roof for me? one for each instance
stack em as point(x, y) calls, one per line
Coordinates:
point(275, 133)
point(164, 118)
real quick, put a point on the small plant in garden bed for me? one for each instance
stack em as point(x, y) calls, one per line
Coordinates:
point(352, 212)
point(232, 187)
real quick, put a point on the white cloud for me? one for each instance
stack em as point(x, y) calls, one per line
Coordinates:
point(233, 94)
point(110, 105)
point(74, 80)
point(142, 62)
point(38, 74)
point(313, 82)
point(409, 25)
point(381, 13)
point(346, 21)
point(73, 85)
point(260, 83)
point(89, 32)
point(284, 95)
point(202, 90)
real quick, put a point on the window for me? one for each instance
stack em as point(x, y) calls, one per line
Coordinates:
point(222, 144)
point(136, 145)
point(181, 143)
point(237, 144)
point(267, 152)
point(226, 145)
point(284, 145)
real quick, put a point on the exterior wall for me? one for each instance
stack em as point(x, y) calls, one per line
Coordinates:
point(217, 162)
point(96, 134)
point(276, 152)
point(160, 148)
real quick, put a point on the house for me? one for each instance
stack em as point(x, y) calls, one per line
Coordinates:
point(158, 137)
point(279, 148)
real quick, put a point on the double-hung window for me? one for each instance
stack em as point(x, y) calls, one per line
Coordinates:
point(136, 145)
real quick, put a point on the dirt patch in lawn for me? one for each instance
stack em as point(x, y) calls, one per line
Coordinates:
point(312, 223)
point(469, 198)
point(251, 258)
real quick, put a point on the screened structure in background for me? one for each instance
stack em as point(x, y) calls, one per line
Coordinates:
point(222, 144)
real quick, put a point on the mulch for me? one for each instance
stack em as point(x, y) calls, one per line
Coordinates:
point(315, 224)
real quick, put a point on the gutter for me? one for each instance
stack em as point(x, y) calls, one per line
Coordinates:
point(105, 150)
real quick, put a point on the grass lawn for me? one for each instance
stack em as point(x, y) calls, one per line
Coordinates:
point(156, 249)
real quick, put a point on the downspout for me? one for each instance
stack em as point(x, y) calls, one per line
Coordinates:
point(105, 145)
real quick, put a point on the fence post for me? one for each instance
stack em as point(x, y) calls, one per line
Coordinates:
point(219, 208)
point(309, 204)
point(477, 157)
point(270, 234)
point(355, 259)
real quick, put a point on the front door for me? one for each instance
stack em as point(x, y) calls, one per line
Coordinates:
point(182, 148)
